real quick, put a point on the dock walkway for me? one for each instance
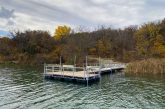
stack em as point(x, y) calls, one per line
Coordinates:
point(87, 74)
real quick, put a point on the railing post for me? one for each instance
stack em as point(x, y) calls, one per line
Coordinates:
point(99, 67)
point(60, 67)
point(73, 71)
point(99, 71)
point(63, 70)
point(84, 72)
point(75, 64)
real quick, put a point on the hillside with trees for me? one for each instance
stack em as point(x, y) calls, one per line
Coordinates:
point(126, 45)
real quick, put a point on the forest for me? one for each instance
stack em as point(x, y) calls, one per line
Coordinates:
point(125, 45)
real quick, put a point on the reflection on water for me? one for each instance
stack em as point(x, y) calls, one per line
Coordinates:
point(25, 88)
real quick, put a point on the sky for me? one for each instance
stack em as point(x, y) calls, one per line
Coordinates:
point(48, 14)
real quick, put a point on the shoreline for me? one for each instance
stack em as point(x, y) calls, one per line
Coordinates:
point(147, 66)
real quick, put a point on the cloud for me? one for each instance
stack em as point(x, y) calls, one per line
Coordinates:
point(5, 13)
point(48, 14)
point(10, 22)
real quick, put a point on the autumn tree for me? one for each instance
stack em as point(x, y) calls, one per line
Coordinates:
point(33, 42)
point(62, 31)
point(103, 48)
point(149, 41)
point(7, 46)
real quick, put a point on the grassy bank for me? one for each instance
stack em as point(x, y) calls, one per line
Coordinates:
point(148, 66)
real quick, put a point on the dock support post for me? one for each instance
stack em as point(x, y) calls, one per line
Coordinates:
point(44, 69)
point(74, 68)
point(75, 63)
point(87, 80)
point(86, 62)
point(100, 71)
point(86, 70)
point(99, 67)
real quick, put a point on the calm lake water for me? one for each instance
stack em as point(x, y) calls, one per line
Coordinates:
point(25, 88)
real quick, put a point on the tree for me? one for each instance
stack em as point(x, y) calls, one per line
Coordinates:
point(149, 41)
point(33, 42)
point(7, 46)
point(159, 47)
point(103, 48)
point(62, 31)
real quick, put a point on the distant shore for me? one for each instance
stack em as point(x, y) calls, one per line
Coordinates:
point(147, 66)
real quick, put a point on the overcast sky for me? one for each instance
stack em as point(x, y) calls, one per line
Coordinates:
point(48, 14)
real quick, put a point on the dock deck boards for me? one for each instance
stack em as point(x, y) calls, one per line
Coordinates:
point(79, 74)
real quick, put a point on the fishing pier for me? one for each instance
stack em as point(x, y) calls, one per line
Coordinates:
point(89, 73)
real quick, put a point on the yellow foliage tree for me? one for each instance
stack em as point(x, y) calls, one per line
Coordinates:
point(149, 41)
point(103, 47)
point(62, 31)
point(159, 46)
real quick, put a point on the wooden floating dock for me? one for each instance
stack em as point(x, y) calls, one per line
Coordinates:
point(88, 74)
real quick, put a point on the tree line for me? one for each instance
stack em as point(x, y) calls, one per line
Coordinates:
point(128, 44)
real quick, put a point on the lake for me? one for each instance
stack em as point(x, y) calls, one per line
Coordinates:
point(25, 88)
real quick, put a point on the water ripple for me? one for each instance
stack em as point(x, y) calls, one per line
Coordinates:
point(25, 88)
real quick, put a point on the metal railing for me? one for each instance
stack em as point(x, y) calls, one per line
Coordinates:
point(51, 68)
point(91, 68)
